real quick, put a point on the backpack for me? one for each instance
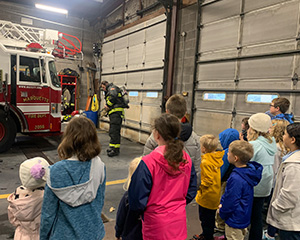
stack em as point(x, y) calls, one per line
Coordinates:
point(125, 96)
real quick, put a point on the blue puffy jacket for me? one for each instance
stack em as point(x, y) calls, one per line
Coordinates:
point(238, 197)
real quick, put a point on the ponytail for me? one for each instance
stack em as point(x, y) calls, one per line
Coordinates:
point(169, 127)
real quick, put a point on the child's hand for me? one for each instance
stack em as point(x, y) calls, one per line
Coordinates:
point(218, 211)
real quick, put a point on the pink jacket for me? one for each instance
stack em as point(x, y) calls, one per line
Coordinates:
point(25, 215)
point(168, 193)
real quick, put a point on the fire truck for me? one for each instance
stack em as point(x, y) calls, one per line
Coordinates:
point(30, 91)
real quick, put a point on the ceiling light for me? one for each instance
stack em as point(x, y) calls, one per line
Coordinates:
point(52, 9)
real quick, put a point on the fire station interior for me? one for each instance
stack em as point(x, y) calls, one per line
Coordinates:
point(227, 58)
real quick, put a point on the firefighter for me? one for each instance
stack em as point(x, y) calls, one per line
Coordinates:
point(115, 108)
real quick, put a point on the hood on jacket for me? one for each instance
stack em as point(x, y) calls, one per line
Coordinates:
point(28, 208)
point(215, 158)
point(80, 193)
point(284, 116)
point(262, 142)
point(227, 136)
point(251, 173)
point(186, 131)
point(158, 157)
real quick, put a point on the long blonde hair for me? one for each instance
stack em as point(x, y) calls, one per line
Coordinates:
point(279, 127)
point(253, 135)
point(132, 166)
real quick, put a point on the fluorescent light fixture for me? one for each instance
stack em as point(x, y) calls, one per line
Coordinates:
point(52, 9)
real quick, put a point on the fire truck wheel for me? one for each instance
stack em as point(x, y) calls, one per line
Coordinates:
point(8, 131)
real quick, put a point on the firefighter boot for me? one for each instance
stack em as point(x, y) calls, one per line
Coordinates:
point(109, 149)
point(114, 152)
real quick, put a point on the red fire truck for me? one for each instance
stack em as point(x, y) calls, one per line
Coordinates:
point(30, 91)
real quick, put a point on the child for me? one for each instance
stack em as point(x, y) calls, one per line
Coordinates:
point(236, 203)
point(208, 195)
point(277, 131)
point(284, 210)
point(278, 108)
point(25, 204)
point(245, 127)
point(176, 105)
point(74, 193)
point(264, 150)
point(163, 183)
point(226, 137)
point(128, 223)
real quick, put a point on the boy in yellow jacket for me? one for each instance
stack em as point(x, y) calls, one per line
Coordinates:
point(208, 195)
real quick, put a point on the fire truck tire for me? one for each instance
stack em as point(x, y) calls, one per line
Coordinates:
point(8, 131)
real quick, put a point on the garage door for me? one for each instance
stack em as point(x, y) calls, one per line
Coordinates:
point(134, 58)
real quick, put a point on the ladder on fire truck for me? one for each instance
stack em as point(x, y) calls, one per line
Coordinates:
point(13, 35)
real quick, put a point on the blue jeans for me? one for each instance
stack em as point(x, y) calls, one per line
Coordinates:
point(289, 235)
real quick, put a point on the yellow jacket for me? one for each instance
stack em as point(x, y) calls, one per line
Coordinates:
point(209, 193)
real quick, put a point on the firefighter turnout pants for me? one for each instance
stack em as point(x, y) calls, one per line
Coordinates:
point(115, 124)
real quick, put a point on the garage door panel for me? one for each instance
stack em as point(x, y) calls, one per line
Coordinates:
point(269, 48)
point(150, 113)
point(211, 123)
point(135, 57)
point(218, 54)
point(156, 31)
point(137, 38)
point(153, 79)
point(121, 43)
point(134, 80)
point(155, 51)
point(224, 9)
point(271, 24)
point(108, 47)
point(216, 71)
point(269, 84)
point(220, 35)
point(296, 111)
point(108, 62)
point(251, 5)
point(276, 67)
point(120, 60)
point(134, 112)
point(119, 79)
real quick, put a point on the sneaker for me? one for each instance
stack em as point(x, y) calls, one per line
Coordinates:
point(113, 152)
point(266, 236)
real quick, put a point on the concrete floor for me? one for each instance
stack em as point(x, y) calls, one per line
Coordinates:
point(116, 170)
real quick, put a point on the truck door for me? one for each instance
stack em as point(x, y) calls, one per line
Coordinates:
point(33, 93)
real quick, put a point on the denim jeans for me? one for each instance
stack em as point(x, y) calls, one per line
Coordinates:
point(207, 218)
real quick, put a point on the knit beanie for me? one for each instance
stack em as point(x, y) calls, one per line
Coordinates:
point(32, 172)
point(260, 122)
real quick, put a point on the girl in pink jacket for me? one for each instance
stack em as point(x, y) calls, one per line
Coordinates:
point(25, 204)
point(164, 182)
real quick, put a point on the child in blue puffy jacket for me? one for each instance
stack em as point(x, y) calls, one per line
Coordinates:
point(236, 203)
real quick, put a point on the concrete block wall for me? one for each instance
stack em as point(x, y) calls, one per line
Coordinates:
point(185, 52)
point(67, 24)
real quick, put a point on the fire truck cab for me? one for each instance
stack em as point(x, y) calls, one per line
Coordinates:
point(30, 95)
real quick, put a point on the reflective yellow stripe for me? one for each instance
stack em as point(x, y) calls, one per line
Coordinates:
point(114, 145)
point(109, 103)
point(116, 110)
point(119, 95)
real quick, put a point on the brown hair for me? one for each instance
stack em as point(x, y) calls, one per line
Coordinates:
point(279, 127)
point(253, 135)
point(176, 105)
point(282, 103)
point(209, 142)
point(242, 149)
point(245, 122)
point(80, 139)
point(168, 126)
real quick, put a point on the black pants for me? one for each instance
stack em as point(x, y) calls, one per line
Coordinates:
point(207, 218)
point(115, 128)
point(256, 219)
point(289, 235)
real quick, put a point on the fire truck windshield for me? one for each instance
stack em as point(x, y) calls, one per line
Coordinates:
point(54, 78)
